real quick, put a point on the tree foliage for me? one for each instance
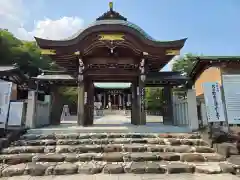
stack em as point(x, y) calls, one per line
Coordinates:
point(154, 98)
point(22, 53)
point(27, 55)
point(70, 93)
point(184, 64)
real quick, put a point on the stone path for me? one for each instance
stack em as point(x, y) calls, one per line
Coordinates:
point(123, 119)
point(111, 153)
point(118, 123)
point(117, 119)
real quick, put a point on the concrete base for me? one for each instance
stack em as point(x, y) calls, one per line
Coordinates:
point(149, 128)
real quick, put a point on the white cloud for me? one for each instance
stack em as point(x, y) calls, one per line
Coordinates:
point(57, 29)
point(13, 15)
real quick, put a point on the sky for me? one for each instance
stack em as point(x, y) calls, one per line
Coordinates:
point(211, 26)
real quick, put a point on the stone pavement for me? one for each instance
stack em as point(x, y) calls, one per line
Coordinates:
point(118, 123)
point(117, 119)
point(130, 177)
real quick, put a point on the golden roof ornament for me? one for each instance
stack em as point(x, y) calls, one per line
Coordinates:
point(111, 6)
point(111, 14)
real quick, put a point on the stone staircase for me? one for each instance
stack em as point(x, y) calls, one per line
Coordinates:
point(111, 153)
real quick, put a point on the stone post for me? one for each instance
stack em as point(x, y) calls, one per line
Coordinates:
point(31, 109)
point(192, 109)
point(204, 114)
point(47, 99)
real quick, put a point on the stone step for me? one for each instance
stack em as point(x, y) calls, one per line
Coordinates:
point(151, 176)
point(108, 135)
point(111, 153)
point(106, 148)
point(93, 167)
point(110, 157)
point(89, 141)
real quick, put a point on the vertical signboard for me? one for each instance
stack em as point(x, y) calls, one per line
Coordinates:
point(15, 114)
point(231, 85)
point(213, 101)
point(142, 96)
point(5, 93)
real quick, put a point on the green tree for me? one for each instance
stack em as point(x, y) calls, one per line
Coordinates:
point(70, 93)
point(7, 42)
point(27, 55)
point(184, 64)
point(13, 50)
point(153, 98)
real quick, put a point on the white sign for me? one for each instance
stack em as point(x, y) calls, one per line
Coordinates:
point(5, 94)
point(213, 101)
point(231, 85)
point(15, 114)
point(85, 97)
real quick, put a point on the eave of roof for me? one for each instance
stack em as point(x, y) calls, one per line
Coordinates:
point(218, 58)
point(8, 68)
point(74, 38)
point(202, 61)
point(13, 73)
point(166, 75)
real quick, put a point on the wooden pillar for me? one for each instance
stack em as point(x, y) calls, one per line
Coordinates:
point(129, 100)
point(89, 103)
point(104, 100)
point(168, 108)
point(141, 91)
point(56, 106)
point(80, 112)
point(80, 108)
point(123, 101)
point(141, 102)
point(119, 101)
point(114, 99)
point(134, 104)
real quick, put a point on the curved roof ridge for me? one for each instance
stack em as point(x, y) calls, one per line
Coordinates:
point(127, 24)
point(111, 21)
